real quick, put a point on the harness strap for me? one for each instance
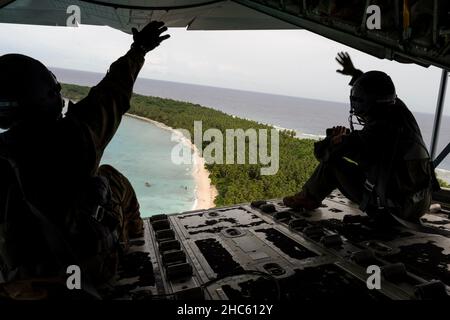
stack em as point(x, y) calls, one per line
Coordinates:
point(367, 195)
point(378, 178)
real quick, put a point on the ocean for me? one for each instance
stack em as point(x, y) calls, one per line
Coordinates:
point(307, 117)
point(141, 150)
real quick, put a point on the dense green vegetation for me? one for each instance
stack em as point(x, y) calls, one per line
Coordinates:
point(74, 92)
point(235, 183)
point(444, 184)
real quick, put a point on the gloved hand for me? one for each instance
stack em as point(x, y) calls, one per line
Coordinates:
point(343, 58)
point(335, 131)
point(338, 134)
point(150, 36)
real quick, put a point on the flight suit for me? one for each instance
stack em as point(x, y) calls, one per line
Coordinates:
point(388, 147)
point(57, 163)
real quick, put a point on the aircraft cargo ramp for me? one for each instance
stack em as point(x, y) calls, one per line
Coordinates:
point(267, 252)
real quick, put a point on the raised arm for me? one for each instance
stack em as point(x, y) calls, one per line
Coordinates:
point(101, 111)
point(348, 69)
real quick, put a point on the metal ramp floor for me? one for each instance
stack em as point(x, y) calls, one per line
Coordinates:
point(266, 251)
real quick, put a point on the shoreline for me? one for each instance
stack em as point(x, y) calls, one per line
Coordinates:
point(205, 192)
point(443, 174)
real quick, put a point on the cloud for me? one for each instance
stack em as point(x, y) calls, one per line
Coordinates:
point(290, 62)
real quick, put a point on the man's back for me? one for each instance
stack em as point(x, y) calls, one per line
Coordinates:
point(54, 169)
point(53, 162)
point(56, 161)
point(411, 176)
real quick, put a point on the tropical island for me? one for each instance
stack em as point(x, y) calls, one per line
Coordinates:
point(236, 183)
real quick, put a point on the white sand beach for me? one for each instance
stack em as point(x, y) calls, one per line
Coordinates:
point(205, 192)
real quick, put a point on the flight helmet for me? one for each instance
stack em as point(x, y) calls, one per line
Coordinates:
point(370, 93)
point(28, 90)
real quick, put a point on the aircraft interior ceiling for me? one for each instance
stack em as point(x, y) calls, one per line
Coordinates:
point(409, 31)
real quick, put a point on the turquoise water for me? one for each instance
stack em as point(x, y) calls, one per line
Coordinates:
point(141, 151)
point(306, 116)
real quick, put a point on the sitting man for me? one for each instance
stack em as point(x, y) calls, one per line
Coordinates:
point(58, 206)
point(385, 167)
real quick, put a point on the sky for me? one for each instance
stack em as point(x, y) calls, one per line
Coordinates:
point(287, 62)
